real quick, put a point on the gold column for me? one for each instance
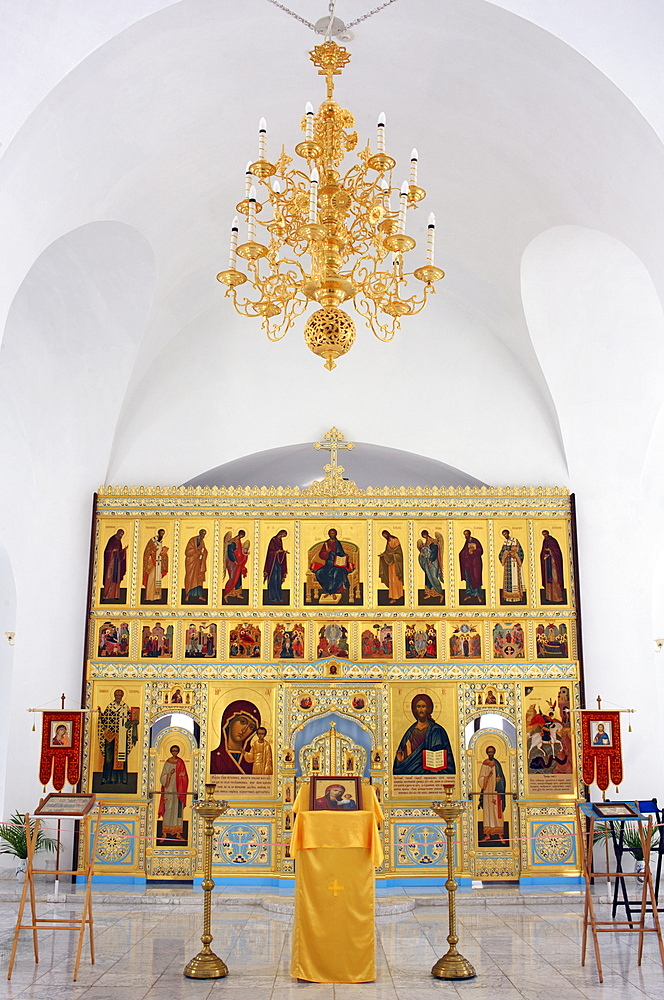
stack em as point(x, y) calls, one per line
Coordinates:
point(452, 965)
point(207, 965)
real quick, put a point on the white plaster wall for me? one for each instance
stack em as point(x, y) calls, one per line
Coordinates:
point(7, 631)
point(249, 397)
point(598, 329)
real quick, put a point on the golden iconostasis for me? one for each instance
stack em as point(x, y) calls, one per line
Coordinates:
point(255, 637)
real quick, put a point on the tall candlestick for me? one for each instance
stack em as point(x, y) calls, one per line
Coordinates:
point(207, 965)
point(431, 237)
point(387, 195)
point(413, 167)
point(232, 262)
point(403, 201)
point(309, 129)
point(248, 179)
point(313, 196)
point(251, 219)
point(381, 132)
point(262, 139)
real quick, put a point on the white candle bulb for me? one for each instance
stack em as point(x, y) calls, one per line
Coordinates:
point(276, 186)
point(403, 201)
point(381, 132)
point(251, 219)
point(413, 167)
point(248, 179)
point(232, 263)
point(309, 130)
point(387, 195)
point(262, 139)
point(431, 237)
point(313, 196)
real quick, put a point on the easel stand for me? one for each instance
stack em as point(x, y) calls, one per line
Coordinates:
point(585, 819)
point(59, 923)
point(619, 849)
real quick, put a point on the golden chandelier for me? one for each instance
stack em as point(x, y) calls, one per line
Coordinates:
point(330, 235)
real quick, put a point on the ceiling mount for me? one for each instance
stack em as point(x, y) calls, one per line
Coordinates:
point(331, 26)
point(333, 29)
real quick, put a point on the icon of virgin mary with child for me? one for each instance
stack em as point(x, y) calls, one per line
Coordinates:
point(239, 723)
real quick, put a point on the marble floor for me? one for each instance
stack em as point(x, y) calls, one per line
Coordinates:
point(520, 947)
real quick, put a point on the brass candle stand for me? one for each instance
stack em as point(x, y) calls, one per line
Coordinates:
point(452, 965)
point(207, 965)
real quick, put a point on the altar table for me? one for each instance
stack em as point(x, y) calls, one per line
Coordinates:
point(336, 856)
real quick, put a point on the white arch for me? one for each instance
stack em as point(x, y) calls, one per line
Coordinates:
point(69, 345)
point(597, 325)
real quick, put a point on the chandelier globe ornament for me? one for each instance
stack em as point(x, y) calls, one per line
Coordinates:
point(328, 237)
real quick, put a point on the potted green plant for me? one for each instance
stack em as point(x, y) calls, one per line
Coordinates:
point(13, 840)
point(632, 844)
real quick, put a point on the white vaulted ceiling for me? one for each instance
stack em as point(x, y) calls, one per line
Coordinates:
point(125, 130)
point(149, 121)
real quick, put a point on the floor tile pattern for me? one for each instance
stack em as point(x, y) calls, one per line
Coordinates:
point(522, 949)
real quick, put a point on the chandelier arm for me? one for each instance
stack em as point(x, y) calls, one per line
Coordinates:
point(276, 292)
point(291, 205)
point(379, 285)
point(368, 309)
point(277, 331)
point(417, 305)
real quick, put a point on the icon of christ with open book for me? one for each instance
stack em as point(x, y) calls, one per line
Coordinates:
point(425, 747)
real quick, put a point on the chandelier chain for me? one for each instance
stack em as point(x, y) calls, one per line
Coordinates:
point(287, 10)
point(370, 13)
point(331, 6)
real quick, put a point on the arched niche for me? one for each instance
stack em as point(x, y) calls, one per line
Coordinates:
point(495, 720)
point(175, 720)
point(319, 725)
point(493, 782)
point(173, 780)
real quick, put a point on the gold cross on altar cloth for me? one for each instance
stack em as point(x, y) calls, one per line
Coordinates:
point(335, 441)
point(335, 888)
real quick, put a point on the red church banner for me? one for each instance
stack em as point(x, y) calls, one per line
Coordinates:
point(60, 758)
point(601, 747)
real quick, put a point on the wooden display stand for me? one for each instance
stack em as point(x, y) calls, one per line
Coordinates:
point(620, 893)
point(61, 805)
point(616, 812)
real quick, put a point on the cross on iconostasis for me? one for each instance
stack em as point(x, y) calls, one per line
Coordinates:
point(335, 440)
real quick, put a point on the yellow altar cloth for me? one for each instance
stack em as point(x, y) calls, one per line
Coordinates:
point(333, 931)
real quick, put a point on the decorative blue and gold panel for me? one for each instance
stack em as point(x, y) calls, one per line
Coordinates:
point(242, 845)
point(419, 844)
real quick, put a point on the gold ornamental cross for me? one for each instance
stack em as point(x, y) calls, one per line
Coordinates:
point(330, 59)
point(335, 888)
point(335, 440)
